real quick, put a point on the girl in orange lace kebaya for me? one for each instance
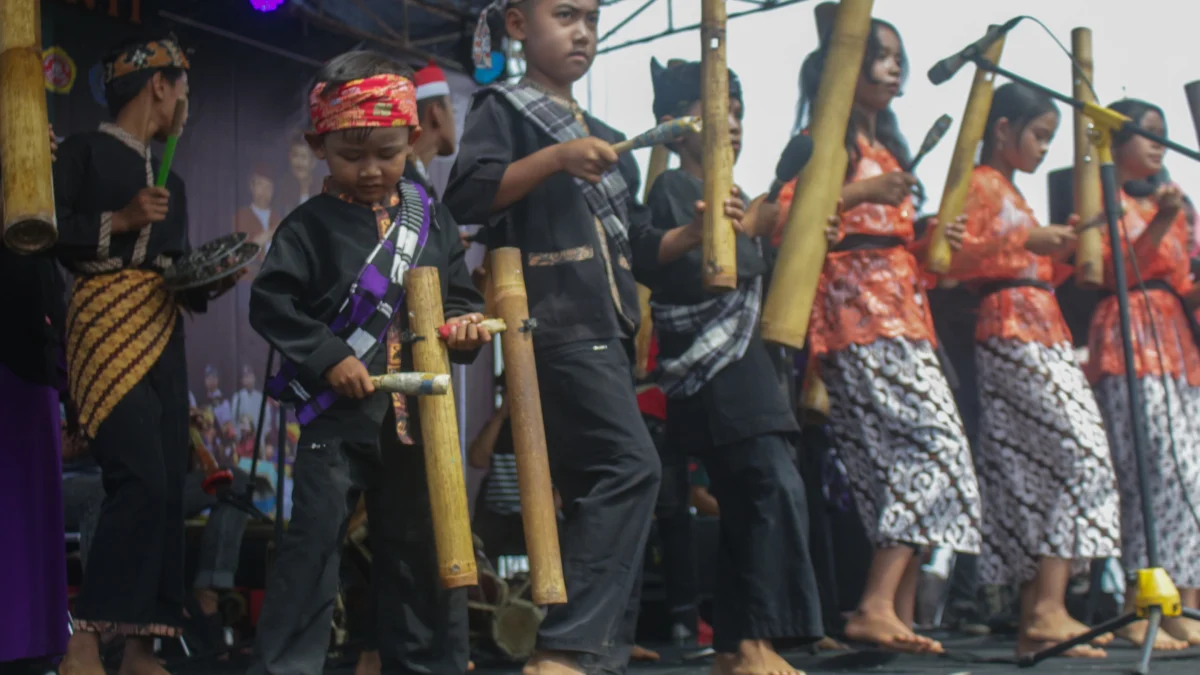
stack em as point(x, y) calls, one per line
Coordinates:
point(1045, 471)
point(893, 416)
point(1167, 363)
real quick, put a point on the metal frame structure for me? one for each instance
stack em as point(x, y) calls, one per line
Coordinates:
point(738, 8)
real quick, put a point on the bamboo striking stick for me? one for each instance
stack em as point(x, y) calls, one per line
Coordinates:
point(802, 254)
point(659, 157)
point(28, 223)
point(1089, 198)
point(720, 253)
point(444, 469)
point(962, 163)
point(529, 433)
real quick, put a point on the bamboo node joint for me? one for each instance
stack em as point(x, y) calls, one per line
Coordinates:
point(528, 325)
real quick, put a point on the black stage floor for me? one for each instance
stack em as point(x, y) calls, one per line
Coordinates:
point(965, 656)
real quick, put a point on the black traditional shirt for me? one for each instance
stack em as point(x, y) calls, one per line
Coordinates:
point(315, 256)
point(742, 400)
point(567, 261)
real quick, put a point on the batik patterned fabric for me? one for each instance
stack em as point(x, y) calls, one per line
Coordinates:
point(899, 436)
point(366, 316)
point(1044, 467)
point(146, 56)
point(1172, 421)
point(117, 327)
point(372, 102)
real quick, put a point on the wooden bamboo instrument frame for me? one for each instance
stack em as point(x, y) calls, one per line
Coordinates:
point(720, 243)
point(789, 302)
point(444, 470)
point(1088, 193)
point(962, 163)
point(529, 434)
point(27, 198)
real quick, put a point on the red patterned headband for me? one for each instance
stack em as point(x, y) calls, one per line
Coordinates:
point(376, 101)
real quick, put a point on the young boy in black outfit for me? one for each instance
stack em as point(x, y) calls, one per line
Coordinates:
point(542, 174)
point(335, 326)
point(723, 404)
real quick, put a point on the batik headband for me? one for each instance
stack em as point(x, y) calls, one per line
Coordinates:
point(481, 51)
point(376, 101)
point(146, 56)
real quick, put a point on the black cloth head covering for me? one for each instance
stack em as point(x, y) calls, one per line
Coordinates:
point(678, 86)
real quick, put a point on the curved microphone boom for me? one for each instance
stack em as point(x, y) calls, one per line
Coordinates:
point(791, 162)
point(946, 68)
point(939, 129)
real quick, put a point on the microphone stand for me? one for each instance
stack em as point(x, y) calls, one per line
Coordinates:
point(1156, 595)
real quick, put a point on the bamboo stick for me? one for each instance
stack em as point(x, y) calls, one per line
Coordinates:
point(529, 433)
point(444, 469)
point(962, 163)
point(720, 252)
point(802, 254)
point(1089, 197)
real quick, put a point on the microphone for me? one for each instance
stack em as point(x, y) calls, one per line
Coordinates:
point(946, 68)
point(793, 159)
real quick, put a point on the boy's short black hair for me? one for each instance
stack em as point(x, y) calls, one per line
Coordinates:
point(357, 65)
point(121, 91)
point(425, 104)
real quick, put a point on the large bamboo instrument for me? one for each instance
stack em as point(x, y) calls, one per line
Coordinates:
point(1192, 90)
point(1089, 198)
point(802, 253)
point(962, 163)
point(720, 245)
point(659, 157)
point(28, 220)
point(529, 433)
point(444, 470)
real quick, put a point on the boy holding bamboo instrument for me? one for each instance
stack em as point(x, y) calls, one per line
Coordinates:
point(723, 404)
point(543, 175)
point(330, 298)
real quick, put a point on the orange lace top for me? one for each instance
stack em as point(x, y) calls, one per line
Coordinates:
point(1167, 262)
point(998, 225)
point(869, 294)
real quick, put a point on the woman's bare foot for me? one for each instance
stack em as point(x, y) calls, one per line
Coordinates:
point(552, 663)
point(888, 632)
point(83, 655)
point(1183, 629)
point(640, 653)
point(1045, 630)
point(368, 663)
point(139, 658)
point(1136, 633)
point(754, 657)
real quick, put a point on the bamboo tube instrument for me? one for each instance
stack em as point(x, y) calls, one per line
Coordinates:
point(802, 253)
point(1089, 200)
point(659, 157)
point(444, 468)
point(529, 433)
point(962, 163)
point(28, 223)
point(720, 252)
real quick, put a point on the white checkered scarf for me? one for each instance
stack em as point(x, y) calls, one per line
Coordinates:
point(723, 327)
point(609, 200)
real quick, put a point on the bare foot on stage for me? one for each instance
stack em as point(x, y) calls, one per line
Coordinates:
point(1136, 633)
point(889, 632)
point(828, 644)
point(754, 657)
point(83, 655)
point(552, 663)
point(639, 653)
point(139, 658)
point(369, 663)
point(1183, 629)
point(1046, 630)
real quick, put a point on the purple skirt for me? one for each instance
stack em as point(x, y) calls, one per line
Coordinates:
point(33, 568)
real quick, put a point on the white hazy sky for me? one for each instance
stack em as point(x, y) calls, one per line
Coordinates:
point(1145, 50)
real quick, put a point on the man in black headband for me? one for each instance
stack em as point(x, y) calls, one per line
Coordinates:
point(723, 405)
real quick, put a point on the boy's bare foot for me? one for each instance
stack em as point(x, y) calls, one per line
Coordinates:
point(1136, 633)
point(888, 632)
point(139, 658)
point(828, 644)
point(1048, 629)
point(754, 657)
point(83, 655)
point(1183, 629)
point(552, 663)
point(640, 653)
point(369, 663)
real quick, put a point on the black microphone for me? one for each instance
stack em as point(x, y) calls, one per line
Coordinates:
point(946, 68)
point(793, 159)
